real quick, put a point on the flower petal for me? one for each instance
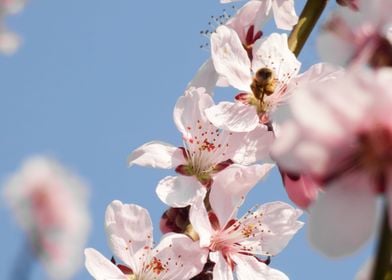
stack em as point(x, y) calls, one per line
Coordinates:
point(249, 268)
point(230, 58)
point(255, 147)
point(198, 217)
point(183, 258)
point(343, 217)
point(284, 14)
point(157, 154)
point(231, 185)
point(100, 267)
point(222, 270)
point(180, 191)
point(274, 53)
point(235, 117)
point(129, 231)
point(280, 223)
point(189, 110)
point(206, 77)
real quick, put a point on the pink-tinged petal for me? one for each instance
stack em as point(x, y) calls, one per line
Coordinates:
point(205, 77)
point(273, 52)
point(183, 258)
point(230, 58)
point(129, 230)
point(157, 154)
point(328, 43)
point(100, 267)
point(343, 218)
point(248, 15)
point(231, 185)
point(255, 146)
point(180, 191)
point(301, 189)
point(235, 117)
point(222, 270)
point(198, 217)
point(319, 73)
point(249, 268)
point(189, 109)
point(284, 14)
point(279, 223)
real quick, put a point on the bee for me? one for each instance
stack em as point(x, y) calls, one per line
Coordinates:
point(264, 83)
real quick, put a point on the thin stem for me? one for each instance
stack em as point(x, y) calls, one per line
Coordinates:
point(307, 21)
point(384, 250)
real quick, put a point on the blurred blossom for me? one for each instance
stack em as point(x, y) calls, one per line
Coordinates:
point(9, 41)
point(360, 35)
point(340, 134)
point(50, 204)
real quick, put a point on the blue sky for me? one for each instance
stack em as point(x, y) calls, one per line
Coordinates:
point(95, 79)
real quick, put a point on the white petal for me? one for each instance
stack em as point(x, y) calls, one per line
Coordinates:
point(274, 53)
point(343, 217)
point(230, 58)
point(198, 217)
point(231, 185)
point(180, 191)
point(284, 14)
point(100, 267)
point(235, 117)
point(157, 154)
point(249, 268)
point(189, 109)
point(129, 231)
point(221, 269)
point(205, 77)
point(182, 257)
point(255, 147)
point(280, 223)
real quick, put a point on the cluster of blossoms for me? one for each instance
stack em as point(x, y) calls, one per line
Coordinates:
point(50, 205)
point(326, 128)
point(9, 41)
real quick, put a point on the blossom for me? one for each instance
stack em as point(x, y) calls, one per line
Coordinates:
point(234, 244)
point(283, 11)
point(340, 134)
point(362, 37)
point(9, 41)
point(263, 80)
point(50, 205)
point(129, 232)
point(207, 150)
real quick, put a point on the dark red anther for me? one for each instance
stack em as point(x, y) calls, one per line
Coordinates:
point(257, 36)
point(266, 261)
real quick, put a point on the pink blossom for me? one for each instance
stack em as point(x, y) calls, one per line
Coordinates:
point(272, 61)
point(207, 150)
point(361, 37)
point(283, 11)
point(38, 195)
point(129, 233)
point(340, 133)
point(234, 244)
